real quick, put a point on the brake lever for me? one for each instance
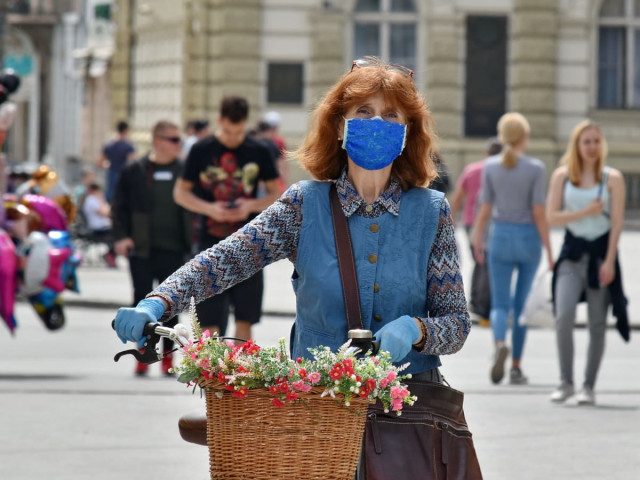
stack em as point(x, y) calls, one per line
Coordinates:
point(363, 341)
point(149, 355)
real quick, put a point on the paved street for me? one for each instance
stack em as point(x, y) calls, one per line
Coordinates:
point(69, 412)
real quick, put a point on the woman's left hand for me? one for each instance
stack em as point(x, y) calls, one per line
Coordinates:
point(607, 273)
point(398, 337)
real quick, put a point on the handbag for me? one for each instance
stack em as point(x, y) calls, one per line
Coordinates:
point(431, 438)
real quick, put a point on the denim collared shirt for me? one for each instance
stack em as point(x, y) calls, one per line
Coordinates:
point(275, 234)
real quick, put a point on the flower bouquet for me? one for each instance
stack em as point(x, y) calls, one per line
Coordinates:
point(273, 417)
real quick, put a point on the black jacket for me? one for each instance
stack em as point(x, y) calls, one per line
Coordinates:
point(132, 204)
point(572, 249)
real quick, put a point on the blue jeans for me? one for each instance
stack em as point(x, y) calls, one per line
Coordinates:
point(512, 246)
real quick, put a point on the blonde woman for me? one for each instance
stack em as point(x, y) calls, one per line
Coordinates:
point(588, 198)
point(513, 196)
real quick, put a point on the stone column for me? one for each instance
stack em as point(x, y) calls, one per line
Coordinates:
point(444, 84)
point(533, 64)
point(232, 58)
point(119, 67)
point(194, 91)
point(327, 63)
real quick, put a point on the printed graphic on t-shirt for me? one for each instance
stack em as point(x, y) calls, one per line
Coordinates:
point(227, 182)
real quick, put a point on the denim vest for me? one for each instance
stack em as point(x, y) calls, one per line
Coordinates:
point(391, 255)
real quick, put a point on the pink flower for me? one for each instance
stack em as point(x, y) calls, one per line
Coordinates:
point(301, 386)
point(314, 377)
point(396, 392)
point(391, 376)
point(383, 383)
point(396, 404)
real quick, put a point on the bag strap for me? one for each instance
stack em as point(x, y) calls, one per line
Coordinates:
point(346, 263)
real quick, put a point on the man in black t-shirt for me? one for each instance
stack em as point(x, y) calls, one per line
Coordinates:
point(219, 182)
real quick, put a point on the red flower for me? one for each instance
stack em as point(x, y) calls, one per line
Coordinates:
point(302, 372)
point(292, 396)
point(336, 372)
point(277, 402)
point(299, 360)
point(284, 387)
point(241, 392)
point(273, 389)
point(370, 384)
point(221, 377)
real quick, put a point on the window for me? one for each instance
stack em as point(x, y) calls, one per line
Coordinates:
point(386, 29)
point(486, 72)
point(619, 54)
point(285, 83)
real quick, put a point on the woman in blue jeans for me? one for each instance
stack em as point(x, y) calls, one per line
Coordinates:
point(513, 197)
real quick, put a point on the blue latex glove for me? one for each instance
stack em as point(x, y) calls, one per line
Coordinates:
point(398, 337)
point(130, 322)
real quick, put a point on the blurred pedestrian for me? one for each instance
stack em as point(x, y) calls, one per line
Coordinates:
point(115, 155)
point(263, 133)
point(441, 183)
point(588, 198)
point(219, 182)
point(96, 212)
point(466, 192)
point(88, 176)
point(196, 130)
point(273, 119)
point(512, 195)
point(149, 227)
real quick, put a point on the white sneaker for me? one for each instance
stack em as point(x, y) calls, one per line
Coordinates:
point(497, 370)
point(586, 397)
point(563, 392)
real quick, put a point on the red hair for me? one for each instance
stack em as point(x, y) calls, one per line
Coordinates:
point(321, 153)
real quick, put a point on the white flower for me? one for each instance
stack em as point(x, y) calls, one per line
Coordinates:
point(346, 404)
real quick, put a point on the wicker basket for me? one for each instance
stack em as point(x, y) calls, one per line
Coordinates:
point(250, 438)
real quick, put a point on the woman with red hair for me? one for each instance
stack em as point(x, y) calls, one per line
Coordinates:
point(371, 140)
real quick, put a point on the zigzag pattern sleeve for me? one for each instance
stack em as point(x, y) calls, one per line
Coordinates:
point(271, 236)
point(448, 324)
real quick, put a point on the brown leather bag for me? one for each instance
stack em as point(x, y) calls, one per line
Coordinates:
point(430, 440)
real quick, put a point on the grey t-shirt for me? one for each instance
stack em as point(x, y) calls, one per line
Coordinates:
point(513, 191)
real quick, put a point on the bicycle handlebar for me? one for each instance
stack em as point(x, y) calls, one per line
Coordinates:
point(153, 332)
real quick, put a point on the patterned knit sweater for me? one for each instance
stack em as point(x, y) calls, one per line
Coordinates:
point(274, 235)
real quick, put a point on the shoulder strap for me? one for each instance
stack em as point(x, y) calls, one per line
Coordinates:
point(346, 263)
point(603, 181)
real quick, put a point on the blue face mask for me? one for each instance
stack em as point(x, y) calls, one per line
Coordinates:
point(373, 143)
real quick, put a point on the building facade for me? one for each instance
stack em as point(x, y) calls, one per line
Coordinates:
point(61, 51)
point(555, 61)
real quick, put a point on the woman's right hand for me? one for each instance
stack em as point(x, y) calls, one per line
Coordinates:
point(123, 246)
point(129, 322)
point(595, 208)
point(477, 244)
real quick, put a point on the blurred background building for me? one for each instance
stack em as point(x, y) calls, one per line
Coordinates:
point(61, 50)
point(555, 61)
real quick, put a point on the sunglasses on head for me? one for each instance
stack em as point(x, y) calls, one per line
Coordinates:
point(374, 62)
point(171, 139)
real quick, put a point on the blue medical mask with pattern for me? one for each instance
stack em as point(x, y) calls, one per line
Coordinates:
point(373, 143)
